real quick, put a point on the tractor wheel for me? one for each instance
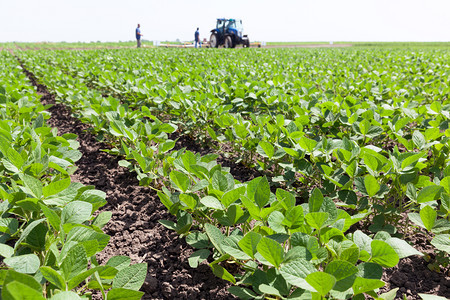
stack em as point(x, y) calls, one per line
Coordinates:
point(213, 41)
point(247, 43)
point(228, 42)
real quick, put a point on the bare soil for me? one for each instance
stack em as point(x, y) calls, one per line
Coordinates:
point(135, 231)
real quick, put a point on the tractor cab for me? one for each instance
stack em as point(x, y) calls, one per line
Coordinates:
point(228, 32)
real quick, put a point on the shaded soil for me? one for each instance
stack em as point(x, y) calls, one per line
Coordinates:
point(135, 231)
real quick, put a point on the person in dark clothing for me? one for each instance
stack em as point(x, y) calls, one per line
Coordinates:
point(138, 35)
point(197, 39)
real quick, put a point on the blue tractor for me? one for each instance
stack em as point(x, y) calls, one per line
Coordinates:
point(228, 32)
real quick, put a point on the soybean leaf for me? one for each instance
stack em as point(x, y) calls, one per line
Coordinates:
point(131, 277)
point(271, 251)
point(364, 285)
point(428, 193)
point(441, 242)
point(317, 219)
point(249, 243)
point(124, 294)
point(67, 295)
point(221, 272)
point(75, 262)
point(296, 271)
point(215, 236)
point(262, 193)
point(180, 180)
point(384, 254)
point(428, 216)
point(27, 263)
point(18, 290)
point(119, 262)
point(402, 248)
point(242, 293)
point(56, 187)
point(315, 200)
point(76, 212)
point(371, 184)
point(322, 282)
point(27, 231)
point(6, 251)
point(53, 277)
point(197, 257)
point(341, 269)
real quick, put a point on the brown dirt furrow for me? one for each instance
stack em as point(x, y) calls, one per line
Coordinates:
point(134, 227)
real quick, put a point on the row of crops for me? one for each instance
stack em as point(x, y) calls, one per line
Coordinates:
point(343, 137)
point(49, 234)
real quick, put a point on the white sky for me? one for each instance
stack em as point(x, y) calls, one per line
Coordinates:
point(264, 20)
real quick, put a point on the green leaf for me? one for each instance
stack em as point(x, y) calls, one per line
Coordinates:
point(249, 243)
point(124, 294)
point(198, 240)
point(266, 149)
point(180, 180)
point(341, 269)
point(131, 277)
point(76, 212)
point(51, 216)
point(364, 285)
point(212, 202)
point(6, 251)
point(371, 184)
point(321, 282)
point(441, 242)
point(56, 187)
point(76, 280)
point(402, 248)
point(242, 293)
point(222, 273)
point(119, 262)
point(28, 263)
point(389, 295)
point(317, 219)
point(18, 290)
point(82, 234)
point(102, 219)
point(74, 263)
point(262, 193)
point(269, 290)
point(271, 251)
point(215, 236)
point(67, 295)
point(190, 201)
point(294, 217)
point(296, 271)
point(315, 200)
point(445, 183)
point(418, 139)
point(232, 195)
point(230, 246)
point(428, 193)
point(307, 144)
point(53, 277)
point(34, 186)
point(9, 225)
point(384, 254)
point(428, 216)
point(219, 181)
point(13, 276)
point(197, 257)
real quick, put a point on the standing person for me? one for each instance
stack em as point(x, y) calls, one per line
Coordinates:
point(197, 39)
point(138, 35)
